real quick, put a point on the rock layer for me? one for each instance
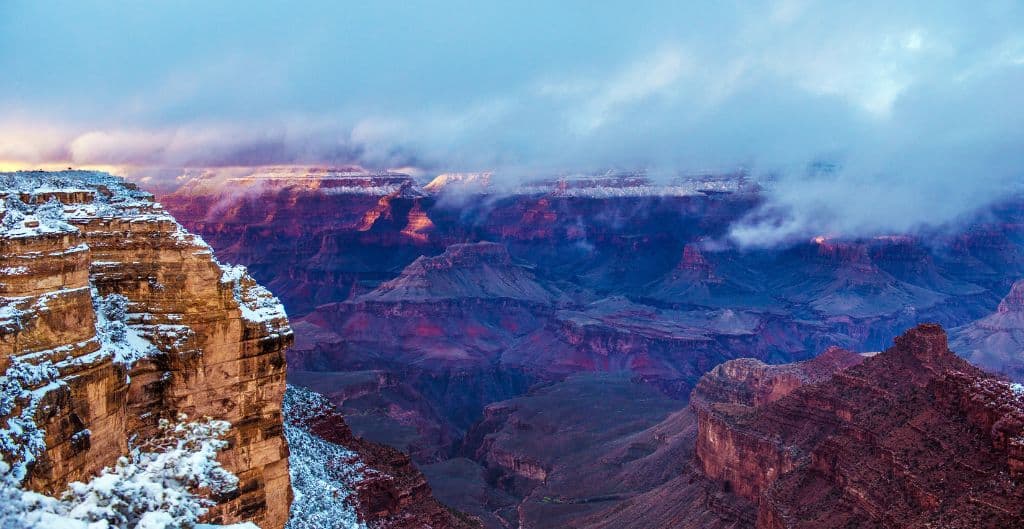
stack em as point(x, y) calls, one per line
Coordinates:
point(114, 317)
point(996, 341)
point(912, 437)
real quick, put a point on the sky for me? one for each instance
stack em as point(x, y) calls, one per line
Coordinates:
point(916, 108)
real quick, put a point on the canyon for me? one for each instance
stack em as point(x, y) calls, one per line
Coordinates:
point(516, 342)
point(913, 436)
point(585, 353)
point(116, 319)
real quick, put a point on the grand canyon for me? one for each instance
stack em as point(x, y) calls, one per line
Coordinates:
point(581, 352)
point(549, 355)
point(471, 265)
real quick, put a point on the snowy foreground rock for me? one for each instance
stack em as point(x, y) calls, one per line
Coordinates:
point(324, 474)
point(154, 487)
point(345, 482)
point(113, 321)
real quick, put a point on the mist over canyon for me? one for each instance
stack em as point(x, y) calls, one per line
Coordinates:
point(518, 343)
point(531, 265)
point(580, 351)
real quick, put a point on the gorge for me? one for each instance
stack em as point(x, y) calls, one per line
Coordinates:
point(654, 264)
point(480, 330)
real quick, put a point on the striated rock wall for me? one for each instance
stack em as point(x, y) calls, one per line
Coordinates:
point(911, 437)
point(113, 317)
point(995, 341)
point(747, 461)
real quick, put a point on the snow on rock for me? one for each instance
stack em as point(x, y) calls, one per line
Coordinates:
point(258, 305)
point(324, 475)
point(161, 484)
point(123, 342)
point(611, 184)
point(110, 311)
point(22, 388)
point(20, 220)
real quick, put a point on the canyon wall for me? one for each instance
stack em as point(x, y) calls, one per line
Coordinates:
point(911, 437)
point(115, 317)
point(438, 317)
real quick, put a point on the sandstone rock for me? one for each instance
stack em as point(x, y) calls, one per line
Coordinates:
point(911, 437)
point(194, 337)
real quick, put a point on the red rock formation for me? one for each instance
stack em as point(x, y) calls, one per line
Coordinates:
point(912, 437)
point(296, 230)
point(193, 337)
point(481, 270)
point(749, 463)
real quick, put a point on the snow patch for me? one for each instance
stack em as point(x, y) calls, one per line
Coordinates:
point(255, 302)
point(323, 474)
point(121, 341)
point(156, 487)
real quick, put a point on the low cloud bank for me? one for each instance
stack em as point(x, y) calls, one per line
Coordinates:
point(868, 118)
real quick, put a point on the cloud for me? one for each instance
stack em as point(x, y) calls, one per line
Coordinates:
point(604, 100)
point(916, 107)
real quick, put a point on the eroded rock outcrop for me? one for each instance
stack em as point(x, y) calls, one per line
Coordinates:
point(349, 480)
point(296, 229)
point(748, 462)
point(113, 317)
point(911, 437)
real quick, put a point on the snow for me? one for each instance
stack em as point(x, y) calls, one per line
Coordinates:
point(123, 342)
point(22, 387)
point(155, 487)
point(112, 198)
point(255, 302)
point(323, 474)
point(21, 220)
point(1018, 389)
point(32, 376)
point(362, 190)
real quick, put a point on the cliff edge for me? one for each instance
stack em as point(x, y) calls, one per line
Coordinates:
point(113, 317)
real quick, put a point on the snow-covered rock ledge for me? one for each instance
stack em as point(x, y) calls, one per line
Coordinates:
point(114, 318)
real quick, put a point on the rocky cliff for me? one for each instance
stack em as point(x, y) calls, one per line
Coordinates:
point(113, 317)
point(343, 480)
point(313, 236)
point(911, 437)
point(995, 341)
